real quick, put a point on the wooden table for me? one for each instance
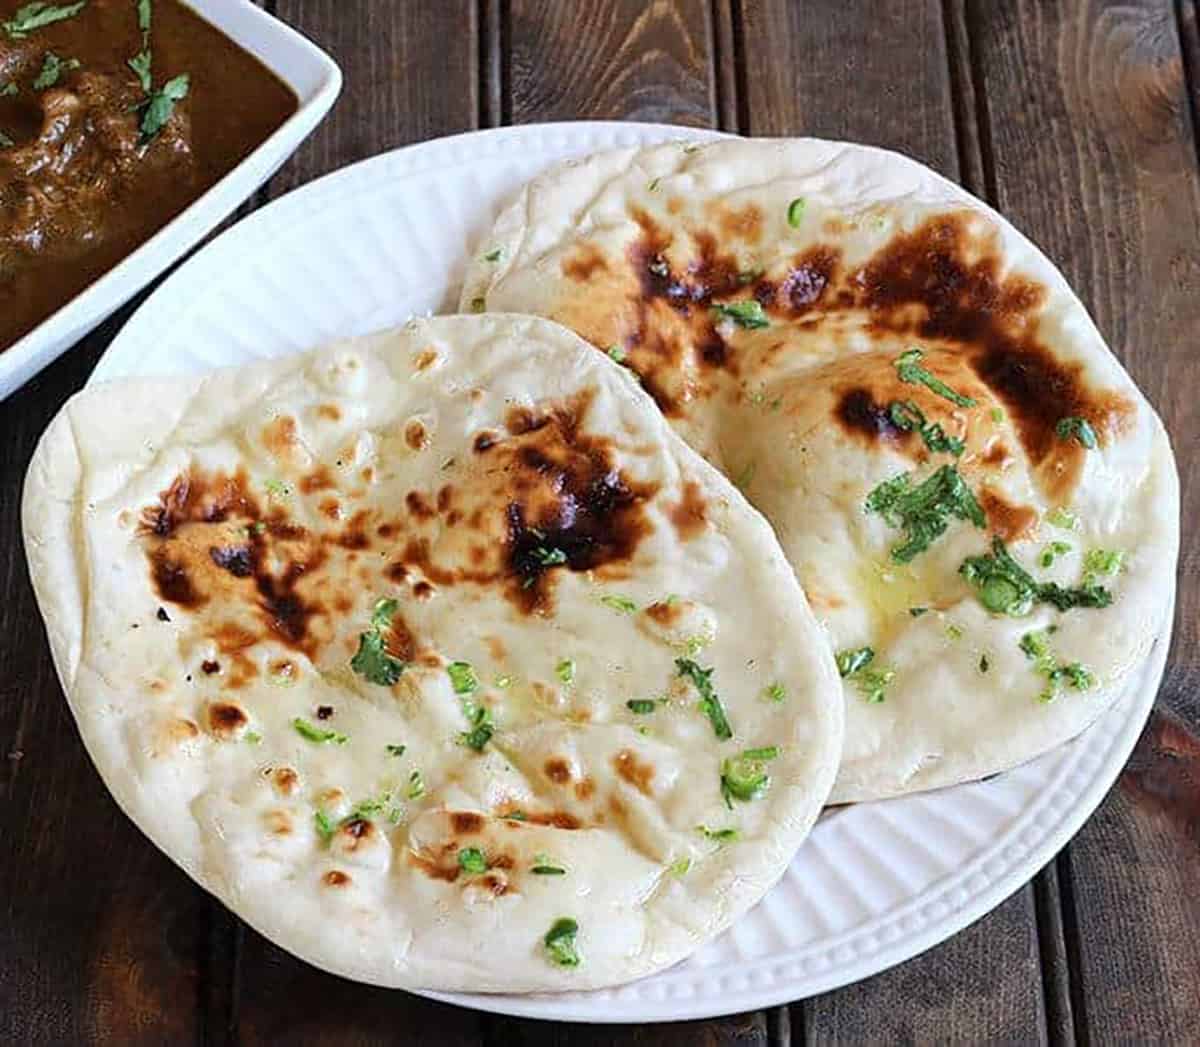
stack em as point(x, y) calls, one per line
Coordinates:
point(1077, 120)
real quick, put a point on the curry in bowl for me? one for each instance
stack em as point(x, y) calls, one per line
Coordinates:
point(115, 115)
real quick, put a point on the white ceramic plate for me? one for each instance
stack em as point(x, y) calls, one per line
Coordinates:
point(315, 78)
point(876, 883)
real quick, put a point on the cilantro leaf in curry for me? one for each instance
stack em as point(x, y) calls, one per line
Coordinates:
point(160, 104)
point(38, 15)
point(52, 70)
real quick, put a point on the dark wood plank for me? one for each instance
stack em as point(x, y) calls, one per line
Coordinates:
point(889, 74)
point(873, 73)
point(1095, 158)
point(103, 939)
point(618, 60)
point(412, 72)
point(738, 1030)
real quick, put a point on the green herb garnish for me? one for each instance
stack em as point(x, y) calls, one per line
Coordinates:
point(325, 825)
point(710, 702)
point(1052, 552)
point(141, 64)
point(924, 511)
point(313, 733)
point(718, 835)
point(654, 182)
point(38, 15)
point(745, 777)
point(253, 737)
point(9, 89)
point(984, 664)
point(775, 693)
point(5, 141)
point(1101, 561)
point(472, 861)
point(548, 557)
point(747, 313)
point(565, 670)
point(372, 659)
point(277, 489)
point(482, 726)
point(619, 603)
point(462, 677)
point(916, 612)
point(53, 68)
point(396, 750)
point(850, 661)
point(680, 866)
point(909, 368)
point(493, 255)
point(1036, 646)
point(1005, 587)
point(544, 866)
point(1060, 517)
point(795, 212)
point(560, 942)
point(907, 416)
point(641, 706)
point(160, 104)
point(1079, 428)
point(478, 305)
point(416, 786)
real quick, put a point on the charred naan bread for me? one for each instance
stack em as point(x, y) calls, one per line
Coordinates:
point(436, 656)
point(980, 504)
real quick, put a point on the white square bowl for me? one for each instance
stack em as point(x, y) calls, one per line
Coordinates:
point(304, 67)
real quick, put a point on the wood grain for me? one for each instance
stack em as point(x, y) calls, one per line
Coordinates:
point(1095, 158)
point(619, 60)
point(873, 73)
point(737, 1030)
point(411, 72)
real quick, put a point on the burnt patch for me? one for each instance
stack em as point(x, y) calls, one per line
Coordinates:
point(557, 770)
point(584, 263)
point(859, 415)
point(1009, 521)
point(173, 581)
point(194, 496)
point(226, 719)
point(466, 823)
point(238, 560)
point(320, 479)
point(419, 506)
point(484, 441)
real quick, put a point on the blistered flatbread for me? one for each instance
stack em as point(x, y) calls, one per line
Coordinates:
point(436, 656)
point(981, 506)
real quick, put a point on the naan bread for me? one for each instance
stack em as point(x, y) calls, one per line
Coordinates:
point(415, 792)
point(851, 280)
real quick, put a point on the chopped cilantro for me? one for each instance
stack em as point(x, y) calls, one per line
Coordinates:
point(543, 866)
point(619, 603)
point(1101, 561)
point(325, 825)
point(396, 750)
point(462, 677)
point(907, 416)
point(747, 313)
point(916, 612)
point(641, 706)
point(38, 15)
point(1005, 587)
point(1079, 428)
point(315, 734)
point(548, 557)
point(1036, 646)
point(1060, 517)
point(142, 65)
point(680, 866)
point(795, 212)
point(909, 369)
point(416, 786)
point(9, 89)
point(372, 659)
point(503, 682)
point(478, 305)
point(717, 835)
point(997, 415)
point(745, 777)
point(616, 353)
point(984, 664)
point(493, 255)
point(160, 104)
point(953, 631)
point(654, 183)
point(855, 665)
point(144, 14)
point(5, 141)
point(277, 489)
point(924, 511)
point(775, 692)
point(1052, 552)
point(482, 726)
point(565, 670)
point(472, 861)
point(53, 68)
point(253, 737)
point(560, 942)
point(850, 661)
point(710, 702)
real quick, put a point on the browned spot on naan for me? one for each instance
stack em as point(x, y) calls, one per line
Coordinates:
point(1009, 521)
point(336, 878)
point(690, 514)
point(466, 822)
point(633, 771)
point(557, 770)
point(226, 719)
point(584, 263)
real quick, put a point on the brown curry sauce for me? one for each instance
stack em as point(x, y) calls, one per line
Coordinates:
point(78, 189)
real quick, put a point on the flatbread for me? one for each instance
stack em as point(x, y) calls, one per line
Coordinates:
point(831, 262)
point(414, 794)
